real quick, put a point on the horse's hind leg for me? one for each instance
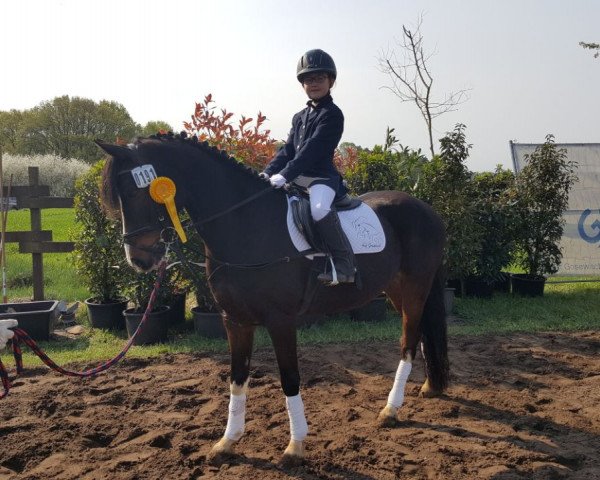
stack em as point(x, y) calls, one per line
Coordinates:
point(408, 294)
point(283, 335)
point(240, 344)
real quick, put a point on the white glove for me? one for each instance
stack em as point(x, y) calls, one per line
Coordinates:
point(277, 180)
point(5, 333)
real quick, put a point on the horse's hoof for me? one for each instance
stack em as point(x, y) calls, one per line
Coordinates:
point(293, 455)
point(290, 461)
point(384, 421)
point(428, 392)
point(221, 452)
point(387, 417)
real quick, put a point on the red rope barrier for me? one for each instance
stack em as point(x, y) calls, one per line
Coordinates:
point(22, 336)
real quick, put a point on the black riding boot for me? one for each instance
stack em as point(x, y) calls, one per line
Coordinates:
point(339, 246)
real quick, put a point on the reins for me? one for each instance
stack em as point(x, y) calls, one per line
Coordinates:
point(233, 207)
point(22, 336)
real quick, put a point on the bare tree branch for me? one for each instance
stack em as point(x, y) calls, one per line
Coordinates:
point(411, 80)
point(591, 46)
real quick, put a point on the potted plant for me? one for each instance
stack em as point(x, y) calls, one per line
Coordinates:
point(446, 184)
point(157, 324)
point(177, 287)
point(206, 315)
point(495, 216)
point(98, 253)
point(540, 197)
point(374, 311)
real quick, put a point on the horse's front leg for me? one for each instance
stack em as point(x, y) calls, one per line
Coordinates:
point(240, 344)
point(283, 335)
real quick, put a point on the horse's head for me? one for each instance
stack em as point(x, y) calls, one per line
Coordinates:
point(126, 189)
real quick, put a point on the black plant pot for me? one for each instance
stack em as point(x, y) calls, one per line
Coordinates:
point(310, 319)
point(478, 287)
point(108, 316)
point(374, 311)
point(177, 305)
point(155, 328)
point(449, 299)
point(502, 283)
point(528, 285)
point(208, 324)
point(455, 284)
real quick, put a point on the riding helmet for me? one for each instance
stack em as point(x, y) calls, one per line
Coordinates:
point(315, 61)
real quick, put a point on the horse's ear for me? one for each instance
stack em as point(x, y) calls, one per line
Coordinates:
point(114, 150)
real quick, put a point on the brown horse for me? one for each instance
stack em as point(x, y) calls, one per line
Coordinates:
point(258, 277)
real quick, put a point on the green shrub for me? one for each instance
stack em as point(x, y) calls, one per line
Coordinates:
point(99, 254)
point(541, 196)
point(496, 217)
point(447, 186)
point(384, 169)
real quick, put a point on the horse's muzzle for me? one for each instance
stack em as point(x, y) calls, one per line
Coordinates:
point(145, 259)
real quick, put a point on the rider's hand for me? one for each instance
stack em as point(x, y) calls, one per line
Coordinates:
point(5, 333)
point(277, 180)
point(263, 175)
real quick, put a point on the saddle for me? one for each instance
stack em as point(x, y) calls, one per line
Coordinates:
point(300, 207)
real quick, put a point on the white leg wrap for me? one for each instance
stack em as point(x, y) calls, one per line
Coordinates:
point(298, 425)
point(236, 422)
point(396, 396)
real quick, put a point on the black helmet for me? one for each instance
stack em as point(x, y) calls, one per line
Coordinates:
point(315, 61)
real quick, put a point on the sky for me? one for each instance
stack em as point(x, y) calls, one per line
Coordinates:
point(520, 61)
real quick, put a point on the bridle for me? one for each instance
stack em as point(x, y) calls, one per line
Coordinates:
point(169, 240)
point(168, 237)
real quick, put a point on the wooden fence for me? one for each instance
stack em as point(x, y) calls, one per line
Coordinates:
point(36, 241)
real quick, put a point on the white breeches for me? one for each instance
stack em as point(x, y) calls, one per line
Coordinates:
point(321, 198)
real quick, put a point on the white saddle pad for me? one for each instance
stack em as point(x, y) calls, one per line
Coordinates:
point(361, 225)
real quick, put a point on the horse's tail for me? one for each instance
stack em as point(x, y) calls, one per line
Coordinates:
point(435, 336)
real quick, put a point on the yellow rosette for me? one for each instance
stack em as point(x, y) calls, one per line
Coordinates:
point(162, 190)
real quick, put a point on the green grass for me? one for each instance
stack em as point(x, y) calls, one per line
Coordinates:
point(564, 307)
point(60, 280)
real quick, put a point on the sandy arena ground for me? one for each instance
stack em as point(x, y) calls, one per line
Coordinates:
point(519, 407)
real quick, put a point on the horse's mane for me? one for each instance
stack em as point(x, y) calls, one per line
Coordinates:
point(184, 139)
point(109, 196)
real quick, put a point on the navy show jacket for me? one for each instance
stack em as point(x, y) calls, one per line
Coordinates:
point(315, 134)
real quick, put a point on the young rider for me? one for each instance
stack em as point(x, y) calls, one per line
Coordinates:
point(307, 158)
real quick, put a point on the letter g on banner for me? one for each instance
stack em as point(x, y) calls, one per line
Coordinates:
point(595, 226)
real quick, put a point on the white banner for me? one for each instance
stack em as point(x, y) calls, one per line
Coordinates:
point(580, 242)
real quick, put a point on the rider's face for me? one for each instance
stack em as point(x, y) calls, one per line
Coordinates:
point(317, 85)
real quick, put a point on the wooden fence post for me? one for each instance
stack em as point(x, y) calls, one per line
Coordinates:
point(36, 226)
point(36, 241)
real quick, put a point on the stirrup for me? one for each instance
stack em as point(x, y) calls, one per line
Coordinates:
point(332, 279)
point(341, 279)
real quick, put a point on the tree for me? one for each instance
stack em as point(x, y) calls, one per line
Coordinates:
point(67, 126)
point(541, 197)
point(155, 126)
point(11, 123)
point(592, 46)
point(412, 81)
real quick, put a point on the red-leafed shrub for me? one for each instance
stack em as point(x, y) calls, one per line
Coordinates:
point(246, 141)
point(345, 158)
